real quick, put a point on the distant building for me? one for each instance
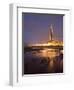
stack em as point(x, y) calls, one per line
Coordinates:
point(51, 41)
point(51, 32)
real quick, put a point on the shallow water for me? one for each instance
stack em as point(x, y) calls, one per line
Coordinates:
point(43, 61)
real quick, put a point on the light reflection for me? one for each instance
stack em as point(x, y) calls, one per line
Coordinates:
point(51, 53)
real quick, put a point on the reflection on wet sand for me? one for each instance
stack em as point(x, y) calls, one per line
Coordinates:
point(43, 61)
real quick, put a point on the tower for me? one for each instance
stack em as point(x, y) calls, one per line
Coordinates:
point(51, 32)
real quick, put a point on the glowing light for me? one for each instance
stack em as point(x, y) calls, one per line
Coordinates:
point(50, 43)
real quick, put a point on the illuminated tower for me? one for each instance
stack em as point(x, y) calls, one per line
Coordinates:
point(51, 32)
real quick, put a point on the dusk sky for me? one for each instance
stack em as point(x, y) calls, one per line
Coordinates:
point(36, 27)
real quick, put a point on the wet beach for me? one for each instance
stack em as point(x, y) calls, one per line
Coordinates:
point(47, 60)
